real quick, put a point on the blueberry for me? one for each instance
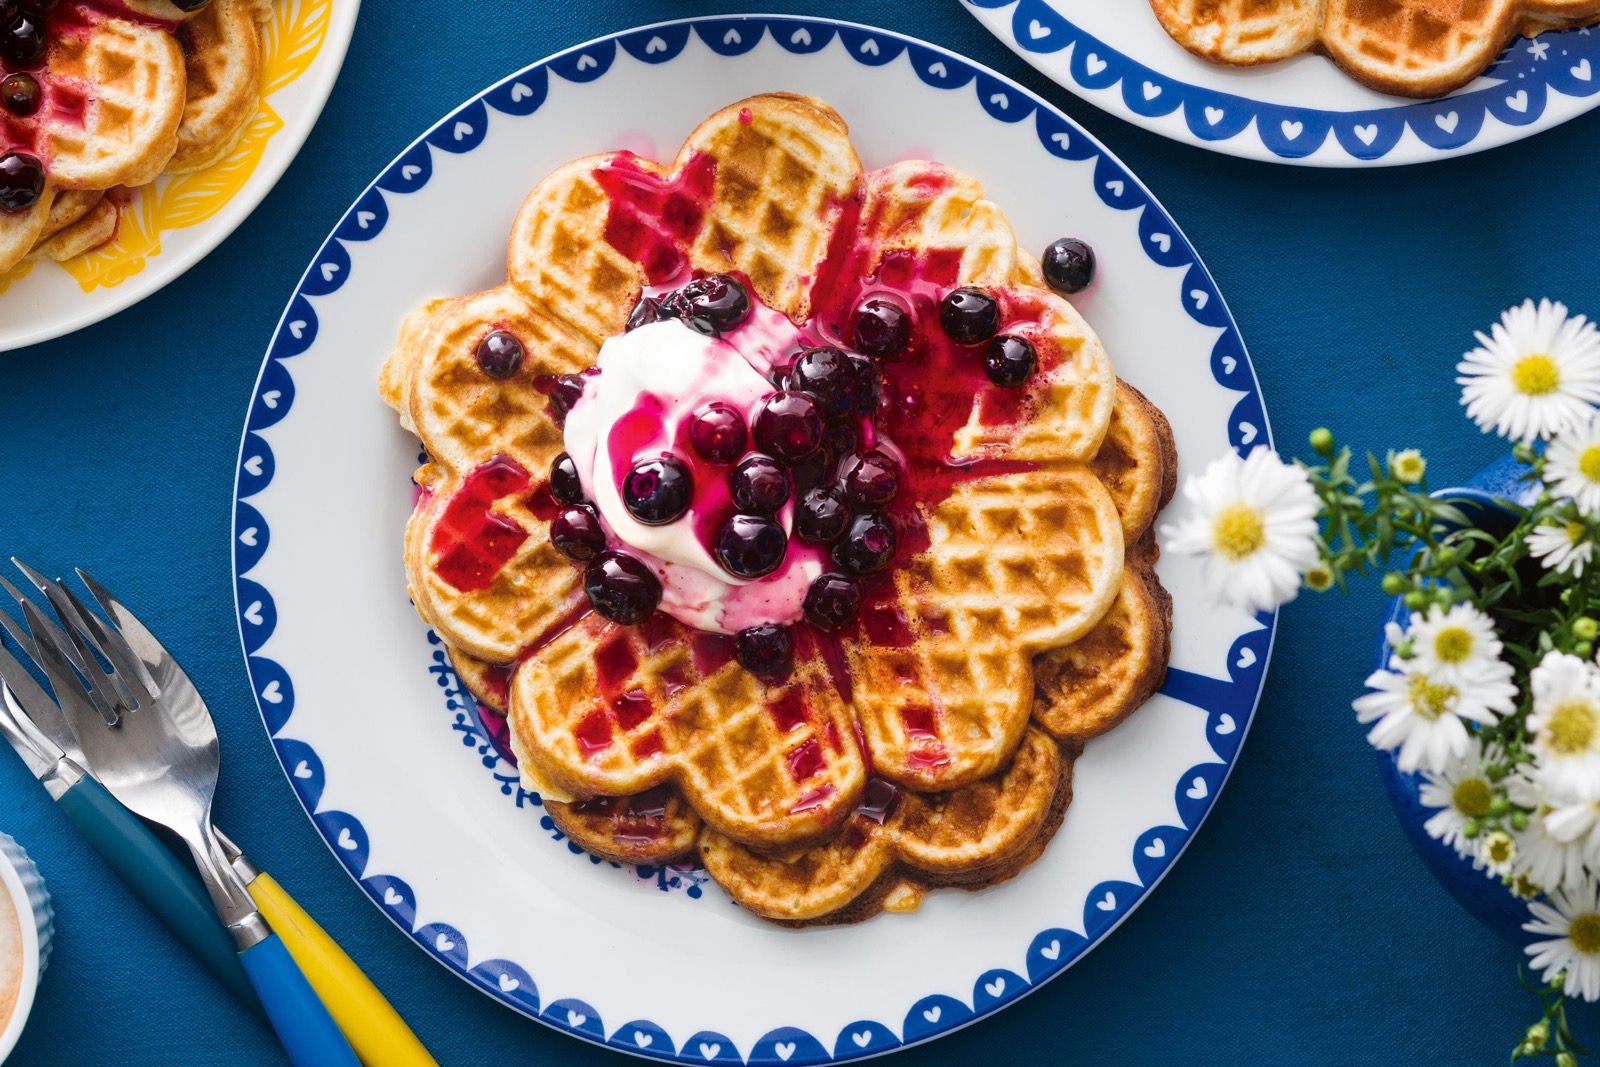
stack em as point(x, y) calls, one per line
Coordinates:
point(499, 354)
point(788, 425)
point(868, 544)
point(576, 533)
point(750, 546)
point(816, 469)
point(658, 490)
point(720, 300)
point(717, 432)
point(766, 651)
point(1009, 360)
point(621, 587)
point(826, 375)
point(565, 485)
point(869, 479)
point(833, 600)
point(646, 311)
point(22, 40)
point(19, 94)
point(969, 315)
point(21, 181)
point(760, 486)
point(190, 5)
point(882, 327)
point(820, 515)
point(39, 7)
point(564, 392)
point(1068, 265)
point(867, 385)
point(839, 440)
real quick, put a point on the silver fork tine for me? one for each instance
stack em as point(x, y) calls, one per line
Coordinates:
point(105, 685)
point(18, 633)
point(42, 632)
point(127, 668)
point(148, 653)
point(72, 694)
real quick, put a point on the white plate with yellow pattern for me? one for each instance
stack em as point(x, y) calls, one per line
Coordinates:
point(174, 221)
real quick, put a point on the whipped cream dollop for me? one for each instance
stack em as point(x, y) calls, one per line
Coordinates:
point(650, 383)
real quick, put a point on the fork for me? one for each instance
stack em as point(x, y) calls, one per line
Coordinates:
point(150, 740)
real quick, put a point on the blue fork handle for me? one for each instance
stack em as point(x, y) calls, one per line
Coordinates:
point(157, 877)
point(304, 1026)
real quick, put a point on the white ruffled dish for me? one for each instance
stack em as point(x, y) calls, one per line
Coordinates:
point(20, 880)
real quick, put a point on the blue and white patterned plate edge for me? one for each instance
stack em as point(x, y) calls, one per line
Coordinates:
point(1229, 705)
point(1530, 92)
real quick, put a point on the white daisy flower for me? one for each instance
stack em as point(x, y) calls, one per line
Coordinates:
point(1461, 792)
point(1564, 727)
point(1498, 852)
point(1408, 466)
point(1458, 647)
point(1536, 374)
point(1562, 547)
point(1424, 717)
point(1254, 523)
point(1573, 921)
point(1541, 856)
point(1576, 824)
point(1572, 465)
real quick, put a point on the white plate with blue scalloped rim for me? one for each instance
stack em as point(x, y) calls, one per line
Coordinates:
point(1302, 110)
point(390, 760)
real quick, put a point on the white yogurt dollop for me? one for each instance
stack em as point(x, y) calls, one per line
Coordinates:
point(651, 382)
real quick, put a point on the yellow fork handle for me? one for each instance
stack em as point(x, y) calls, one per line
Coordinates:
point(374, 1029)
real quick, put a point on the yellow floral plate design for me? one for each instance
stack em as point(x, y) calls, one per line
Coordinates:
point(171, 223)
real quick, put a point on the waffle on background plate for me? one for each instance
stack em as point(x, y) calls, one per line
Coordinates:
point(1420, 48)
point(127, 94)
point(931, 742)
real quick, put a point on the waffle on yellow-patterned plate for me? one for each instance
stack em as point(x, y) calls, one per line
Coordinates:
point(98, 97)
point(1421, 48)
point(788, 515)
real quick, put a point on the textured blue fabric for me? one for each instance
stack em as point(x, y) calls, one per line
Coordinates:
point(1298, 929)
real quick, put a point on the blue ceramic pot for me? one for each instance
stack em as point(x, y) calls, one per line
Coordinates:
point(1484, 897)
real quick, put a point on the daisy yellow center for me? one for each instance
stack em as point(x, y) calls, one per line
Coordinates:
point(1499, 849)
point(1589, 463)
point(1472, 798)
point(1430, 699)
point(1453, 644)
point(1571, 728)
point(1535, 375)
point(1584, 933)
point(1239, 531)
point(1575, 529)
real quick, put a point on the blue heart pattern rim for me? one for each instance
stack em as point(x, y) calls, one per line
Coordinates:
point(1524, 77)
point(1229, 704)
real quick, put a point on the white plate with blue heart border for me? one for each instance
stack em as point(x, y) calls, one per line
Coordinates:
point(1300, 110)
point(384, 748)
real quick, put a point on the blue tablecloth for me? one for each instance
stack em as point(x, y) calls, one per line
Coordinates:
point(1298, 929)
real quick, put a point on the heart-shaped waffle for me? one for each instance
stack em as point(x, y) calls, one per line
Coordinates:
point(1011, 545)
point(1421, 48)
point(1081, 690)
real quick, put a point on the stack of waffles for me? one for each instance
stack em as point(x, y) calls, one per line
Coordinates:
point(1422, 48)
point(129, 91)
point(929, 744)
